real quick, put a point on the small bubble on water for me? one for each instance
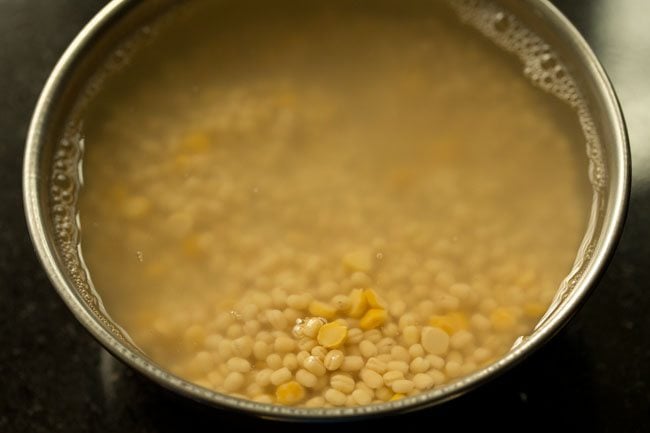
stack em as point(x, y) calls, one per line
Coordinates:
point(501, 22)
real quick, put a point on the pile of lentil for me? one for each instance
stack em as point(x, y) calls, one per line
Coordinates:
point(287, 236)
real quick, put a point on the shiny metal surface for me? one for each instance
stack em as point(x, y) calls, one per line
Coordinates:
point(95, 40)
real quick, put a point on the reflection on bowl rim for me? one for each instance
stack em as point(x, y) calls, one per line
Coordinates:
point(619, 185)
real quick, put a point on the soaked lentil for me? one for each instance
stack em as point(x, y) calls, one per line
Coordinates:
point(327, 221)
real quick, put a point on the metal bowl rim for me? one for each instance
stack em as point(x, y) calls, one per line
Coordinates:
point(612, 229)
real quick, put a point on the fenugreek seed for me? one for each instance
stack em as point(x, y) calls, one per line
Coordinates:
point(280, 376)
point(397, 308)
point(284, 345)
point(341, 302)
point(384, 393)
point(385, 345)
point(262, 300)
point(419, 365)
point(216, 379)
point(375, 364)
point(434, 340)
point(240, 365)
point(352, 363)
point(360, 280)
point(435, 361)
point(233, 382)
point(416, 350)
point(254, 389)
point(249, 312)
point(234, 331)
point(423, 381)
point(481, 355)
point(399, 366)
point(277, 319)
point(266, 337)
point(371, 378)
point(212, 341)
point(315, 402)
point(408, 319)
point(225, 349)
point(322, 383)
point(342, 382)
point(335, 397)
point(455, 356)
point(437, 376)
point(452, 369)
point(400, 353)
point(223, 320)
point(358, 261)
point(411, 335)
point(333, 360)
point(461, 339)
point(480, 322)
point(263, 377)
point(314, 365)
point(319, 351)
point(301, 356)
point(368, 349)
point(242, 346)
point(426, 308)
point(448, 302)
point(385, 358)
point(355, 336)
point(292, 315)
point(402, 386)
point(252, 327)
point(391, 376)
point(299, 302)
point(361, 397)
point(263, 398)
point(372, 335)
point(391, 330)
point(274, 361)
point(306, 378)
point(261, 350)
point(467, 368)
point(202, 362)
point(353, 351)
point(290, 361)
point(307, 344)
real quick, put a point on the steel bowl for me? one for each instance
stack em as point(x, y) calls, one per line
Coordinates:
point(121, 17)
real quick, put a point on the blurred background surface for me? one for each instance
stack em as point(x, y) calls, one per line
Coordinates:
point(54, 377)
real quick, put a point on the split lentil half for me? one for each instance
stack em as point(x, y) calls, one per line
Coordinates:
point(279, 231)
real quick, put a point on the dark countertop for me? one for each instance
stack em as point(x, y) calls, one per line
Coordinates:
point(54, 377)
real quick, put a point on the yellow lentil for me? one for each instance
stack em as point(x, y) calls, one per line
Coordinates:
point(332, 335)
point(290, 393)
